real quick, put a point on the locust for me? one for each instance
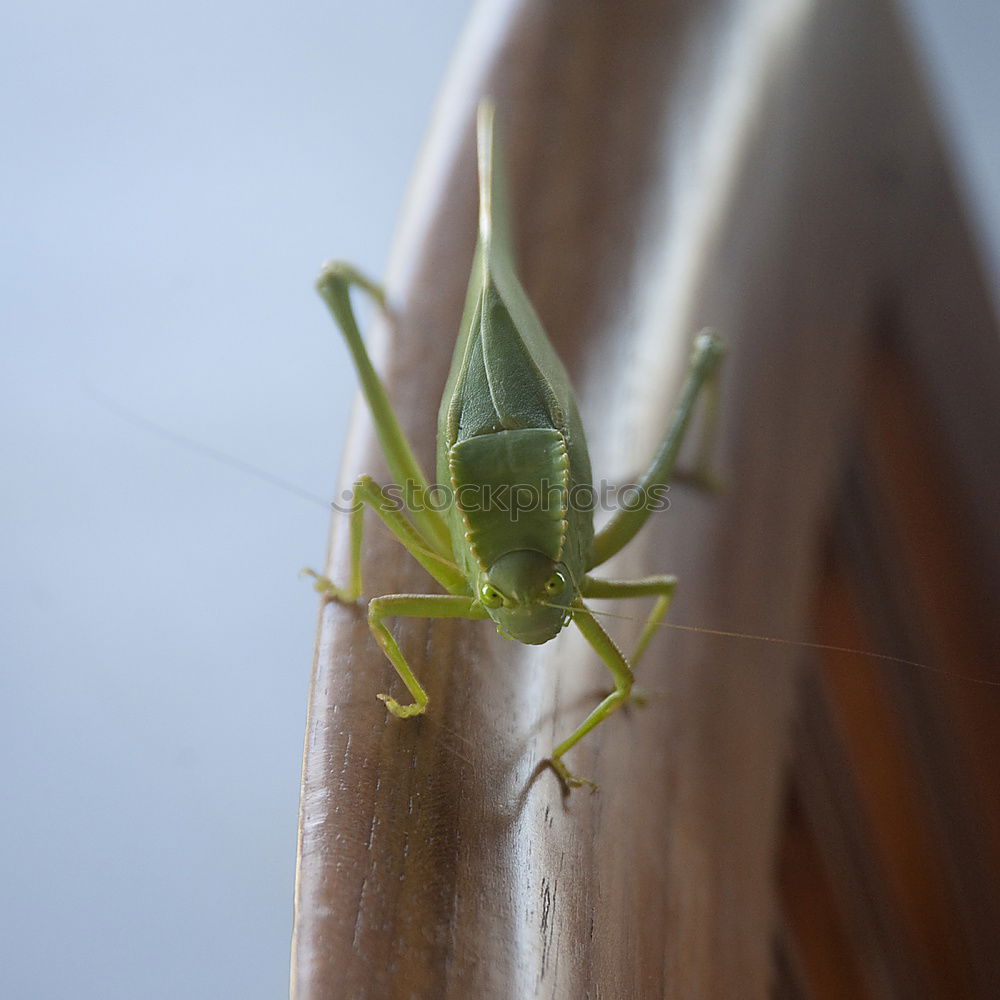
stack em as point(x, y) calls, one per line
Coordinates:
point(508, 427)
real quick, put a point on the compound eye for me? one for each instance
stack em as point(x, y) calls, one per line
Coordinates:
point(556, 583)
point(490, 596)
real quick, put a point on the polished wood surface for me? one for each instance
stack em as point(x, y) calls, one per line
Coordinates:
point(770, 169)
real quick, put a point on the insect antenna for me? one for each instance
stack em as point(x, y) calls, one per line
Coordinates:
point(197, 447)
point(802, 644)
point(213, 454)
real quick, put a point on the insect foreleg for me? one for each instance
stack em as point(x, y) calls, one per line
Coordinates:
point(413, 606)
point(626, 522)
point(662, 587)
point(334, 285)
point(367, 492)
point(612, 656)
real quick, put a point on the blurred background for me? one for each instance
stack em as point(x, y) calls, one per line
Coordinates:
point(172, 177)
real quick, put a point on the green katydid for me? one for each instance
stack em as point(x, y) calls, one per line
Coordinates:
point(508, 421)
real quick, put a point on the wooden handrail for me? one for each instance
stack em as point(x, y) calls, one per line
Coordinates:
point(672, 165)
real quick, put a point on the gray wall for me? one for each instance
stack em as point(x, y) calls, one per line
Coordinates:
point(173, 175)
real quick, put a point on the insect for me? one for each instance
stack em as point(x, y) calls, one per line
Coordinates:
point(516, 543)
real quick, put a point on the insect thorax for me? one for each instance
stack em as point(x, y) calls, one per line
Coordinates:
point(511, 492)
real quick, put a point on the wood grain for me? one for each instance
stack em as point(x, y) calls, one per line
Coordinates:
point(672, 165)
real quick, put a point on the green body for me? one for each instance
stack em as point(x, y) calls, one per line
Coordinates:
point(510, 441)
point(516, 542)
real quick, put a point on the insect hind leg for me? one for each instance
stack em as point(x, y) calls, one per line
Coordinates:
point(334, 285)
point(706, 356)
point(368, 493)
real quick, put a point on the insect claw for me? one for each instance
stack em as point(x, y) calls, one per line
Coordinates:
point(401, 711)
point(325, 586)
point(640, 699)
point(567, 778)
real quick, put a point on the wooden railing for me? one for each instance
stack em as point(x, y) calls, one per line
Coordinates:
point(771, 169)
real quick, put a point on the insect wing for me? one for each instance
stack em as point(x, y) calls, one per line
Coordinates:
point(506, 377)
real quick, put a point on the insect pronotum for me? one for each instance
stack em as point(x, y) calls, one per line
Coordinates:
point(508, 426)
